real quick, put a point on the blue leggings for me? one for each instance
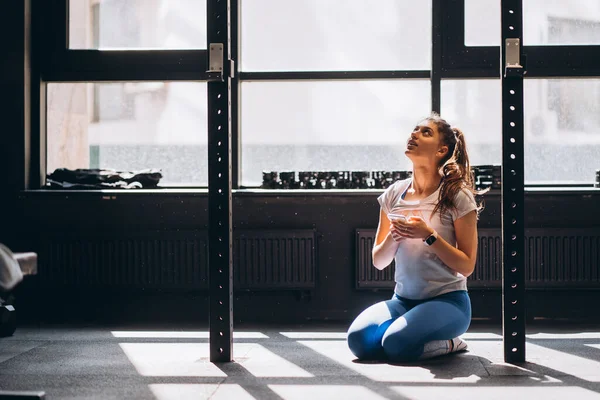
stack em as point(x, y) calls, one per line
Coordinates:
point(397, 329)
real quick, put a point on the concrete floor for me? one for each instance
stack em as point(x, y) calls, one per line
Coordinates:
point(307, 362)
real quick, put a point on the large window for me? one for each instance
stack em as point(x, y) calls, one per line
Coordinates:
point(326, 121)
point(335, 35)
point(562, 130)
point(328, 125)
point(475, 106)
point(561, 23)
point(133, 126)
point(545, 22)
point(111, 106)
point(319, 85)
point(137, 24)
point(482, 22)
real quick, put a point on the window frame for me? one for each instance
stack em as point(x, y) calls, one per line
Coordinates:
point(62, 64)
point(552, 61)
point(433, 74)
point(483, 62)
point(53, 61)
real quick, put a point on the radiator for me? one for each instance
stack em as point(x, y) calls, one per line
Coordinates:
point(488, 268)
point(263, 259)
point(161, 259)
point(274, 259)
point(563, 257)
point(367, 276)
point(553, 258)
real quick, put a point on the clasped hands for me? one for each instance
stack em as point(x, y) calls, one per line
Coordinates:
point(411, 227)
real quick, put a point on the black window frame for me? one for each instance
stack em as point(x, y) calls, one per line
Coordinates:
point(55, 62)
point(433, 74)
point(62, 64)
point(483, 62)
point(551, 61)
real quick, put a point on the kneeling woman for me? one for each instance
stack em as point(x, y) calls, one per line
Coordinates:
point(428, 225)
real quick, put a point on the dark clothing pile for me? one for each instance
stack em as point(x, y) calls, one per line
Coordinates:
point(63, 178)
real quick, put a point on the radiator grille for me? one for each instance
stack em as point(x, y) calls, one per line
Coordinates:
point(488, 269)
point(263, 259)
point(562, 258)
point(274, 259)
point(149, 259)
point(367, 276)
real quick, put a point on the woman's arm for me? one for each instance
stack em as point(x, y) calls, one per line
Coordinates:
point(386, 242)
point(461, 258)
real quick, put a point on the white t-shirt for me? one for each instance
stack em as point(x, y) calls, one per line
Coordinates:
point(420, 274)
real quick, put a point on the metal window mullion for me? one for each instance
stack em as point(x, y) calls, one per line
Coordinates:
point(134, 65)
point(436, 55)
point(219, 190)
point(333, 75)
point(57, 17)
point(37, 106)
point(544, 61)
point(236, 160)
point(513, 199)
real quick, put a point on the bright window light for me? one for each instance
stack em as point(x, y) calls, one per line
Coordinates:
point(182, 335)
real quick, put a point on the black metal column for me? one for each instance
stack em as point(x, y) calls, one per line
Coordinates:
point(219, 182)
point(513, 199)
point(236, 159)
point(436, 55)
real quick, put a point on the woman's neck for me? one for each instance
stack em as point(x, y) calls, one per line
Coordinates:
point(424, 182)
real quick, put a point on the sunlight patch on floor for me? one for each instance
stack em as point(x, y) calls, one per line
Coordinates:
point(561, 336)
point(182, 335)
point(569, 364)
point(170, 391)
point(171, 359)
point(480, 336)
point(382, 372)
point(314, 335)
point(303, 392)
point(497, 393)
point(263, 363)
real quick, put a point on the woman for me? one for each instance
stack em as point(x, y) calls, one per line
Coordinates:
point(428, 225)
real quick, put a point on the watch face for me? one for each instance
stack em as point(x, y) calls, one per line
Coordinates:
point(430, 240)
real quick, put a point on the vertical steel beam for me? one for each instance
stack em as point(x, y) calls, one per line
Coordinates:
point(437, 8)
point(236, 160)
point(513, 198)
point(219, 182)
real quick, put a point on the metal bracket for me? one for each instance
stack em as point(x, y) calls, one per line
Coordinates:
point(231, 69)
point(215, 63)
point(512, 65)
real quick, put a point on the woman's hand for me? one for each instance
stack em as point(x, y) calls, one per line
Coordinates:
point(413, 227)
point(395, 232)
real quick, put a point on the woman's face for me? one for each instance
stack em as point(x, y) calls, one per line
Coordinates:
point(425, 144)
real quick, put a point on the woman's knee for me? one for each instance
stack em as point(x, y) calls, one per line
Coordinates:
point(399, 348)
point(362, 342)
point(365, 332)
point(357, 342)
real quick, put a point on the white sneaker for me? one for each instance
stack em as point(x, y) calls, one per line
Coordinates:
point(438, 348)
point(457, 345)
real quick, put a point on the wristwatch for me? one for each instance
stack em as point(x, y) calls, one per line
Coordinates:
point(429, 240)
